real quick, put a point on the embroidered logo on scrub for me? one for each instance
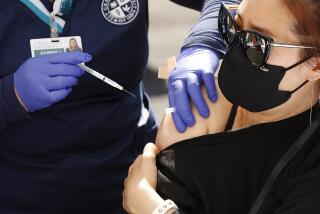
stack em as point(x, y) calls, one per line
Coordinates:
point(120, 12)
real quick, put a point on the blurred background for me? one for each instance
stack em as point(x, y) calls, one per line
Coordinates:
point(169, 26)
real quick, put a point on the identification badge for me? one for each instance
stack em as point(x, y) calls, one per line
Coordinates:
point(40, 47)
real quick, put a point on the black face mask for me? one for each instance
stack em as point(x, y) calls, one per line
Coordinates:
point(251, 87)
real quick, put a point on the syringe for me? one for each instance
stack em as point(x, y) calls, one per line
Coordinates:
point(104, 78)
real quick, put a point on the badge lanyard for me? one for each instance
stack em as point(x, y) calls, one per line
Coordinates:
point(60, 7)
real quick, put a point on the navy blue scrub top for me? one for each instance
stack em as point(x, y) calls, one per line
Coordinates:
point(73, 156)
point(93, 111)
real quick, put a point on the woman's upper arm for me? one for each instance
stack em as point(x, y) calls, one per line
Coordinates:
point(219, 113)
point(168, 134)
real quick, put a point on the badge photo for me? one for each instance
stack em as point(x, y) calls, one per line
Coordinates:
point(120, 12)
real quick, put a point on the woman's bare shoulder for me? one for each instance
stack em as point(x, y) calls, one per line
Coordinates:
point(216, 122)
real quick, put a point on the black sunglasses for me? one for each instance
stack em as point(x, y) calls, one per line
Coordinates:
point(256, 46)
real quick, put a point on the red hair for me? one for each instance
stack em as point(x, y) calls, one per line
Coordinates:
point(307, 15)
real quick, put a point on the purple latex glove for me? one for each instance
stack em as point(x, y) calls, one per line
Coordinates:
point(45, 80)
point(195, 66)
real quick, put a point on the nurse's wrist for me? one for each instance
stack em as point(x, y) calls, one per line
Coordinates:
point(20, 101)
point(10, 106)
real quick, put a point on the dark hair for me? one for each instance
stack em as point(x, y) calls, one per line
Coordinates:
point(307, 15)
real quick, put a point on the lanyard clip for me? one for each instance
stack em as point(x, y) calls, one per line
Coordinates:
point(54, 33)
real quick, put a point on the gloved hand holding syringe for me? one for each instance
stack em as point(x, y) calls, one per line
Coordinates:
point(104, 78)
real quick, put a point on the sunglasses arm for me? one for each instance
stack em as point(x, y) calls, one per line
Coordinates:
point(289, 46)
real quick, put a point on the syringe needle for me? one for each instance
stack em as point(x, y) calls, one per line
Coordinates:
point(104, 79)
point(130, 93)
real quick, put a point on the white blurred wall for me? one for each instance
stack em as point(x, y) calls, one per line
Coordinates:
point(169, 25)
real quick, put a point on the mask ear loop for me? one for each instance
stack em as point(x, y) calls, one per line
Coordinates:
point(298, 63)
point(305, 82)
point(293, 66)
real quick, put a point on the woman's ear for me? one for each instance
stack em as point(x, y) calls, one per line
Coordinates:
point(314, 72)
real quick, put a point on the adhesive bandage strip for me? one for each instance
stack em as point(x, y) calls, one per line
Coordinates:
point(169, 110)
point(165, 71)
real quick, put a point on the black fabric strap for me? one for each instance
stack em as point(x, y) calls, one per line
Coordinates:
point(231, 118)
point(286, 158)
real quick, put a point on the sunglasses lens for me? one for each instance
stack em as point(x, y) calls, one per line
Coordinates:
point(228, 28)
point(255, 48)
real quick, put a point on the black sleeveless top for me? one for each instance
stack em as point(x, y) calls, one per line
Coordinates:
point(223, 173)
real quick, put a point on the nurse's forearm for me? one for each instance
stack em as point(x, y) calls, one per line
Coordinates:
point(10, 108)
point(193, 4)
point(205, 32)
